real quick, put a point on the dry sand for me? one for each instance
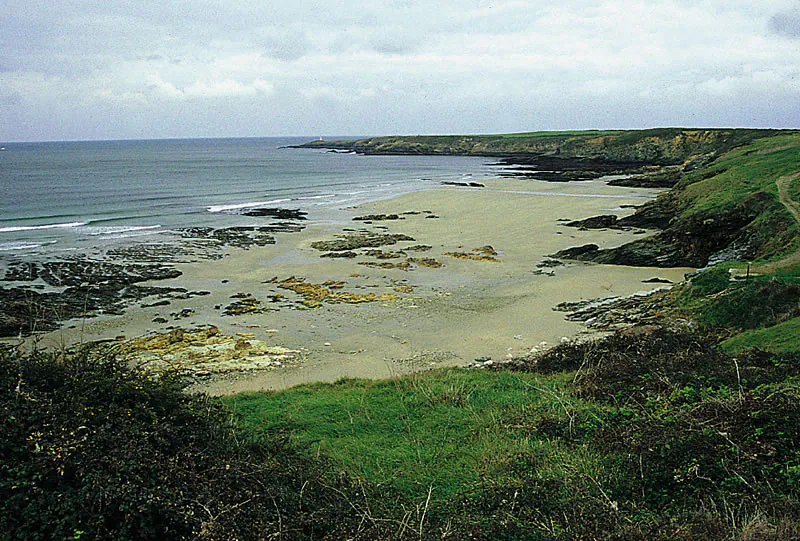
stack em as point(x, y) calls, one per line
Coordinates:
point(462, 311)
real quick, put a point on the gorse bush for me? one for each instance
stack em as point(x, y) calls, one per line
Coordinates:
point(705, 436)
point(94, 450)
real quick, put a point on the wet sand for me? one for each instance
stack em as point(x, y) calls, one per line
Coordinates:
point(445, 316)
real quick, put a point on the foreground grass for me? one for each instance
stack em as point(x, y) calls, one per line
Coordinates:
point(640, 436)
point(445, 432)
point(649, 435)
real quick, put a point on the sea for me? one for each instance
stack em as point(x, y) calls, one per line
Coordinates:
point(62, 198)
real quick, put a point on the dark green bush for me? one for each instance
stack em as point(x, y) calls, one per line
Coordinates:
point(94, 450)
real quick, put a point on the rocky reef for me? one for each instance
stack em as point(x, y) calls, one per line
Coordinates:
point(331, 291)
point(484, 253)
point(56, 291)
point(40, 295)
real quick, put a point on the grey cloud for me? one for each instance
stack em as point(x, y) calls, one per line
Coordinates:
point(786, 23)
point(285, 44)
point(483, 65)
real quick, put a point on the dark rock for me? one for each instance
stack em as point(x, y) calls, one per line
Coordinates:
point(651, 252)
point(463, 184)
point(279, 213)
point(378, 217)
point(240, 236)
point(554, 176)
point(663, 177)
point(618, 312)
point(549, 263)
point(75, 272)
point(604, 221)
point(656, 280)
point(578, 252)
point(359, 240)
point(656, 214)
point(346, 255)
point(186, 312)
point(90, 287)
point(157, 303)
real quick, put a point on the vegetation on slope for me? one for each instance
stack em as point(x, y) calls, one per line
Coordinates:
point(729, 209)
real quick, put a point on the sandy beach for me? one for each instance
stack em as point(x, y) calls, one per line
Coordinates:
point(420, 317)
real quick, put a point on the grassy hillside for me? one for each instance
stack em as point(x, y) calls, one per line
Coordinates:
point(729, 209)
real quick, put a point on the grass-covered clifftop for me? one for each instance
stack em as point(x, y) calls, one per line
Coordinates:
point(655, 146)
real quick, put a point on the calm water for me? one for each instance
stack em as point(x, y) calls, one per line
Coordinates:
point(73, 196)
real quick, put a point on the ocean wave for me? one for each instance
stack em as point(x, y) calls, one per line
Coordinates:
point(237, 206)
point(307, 197)
point(41, 217)
point(17, 246)
point(117, 230)
point(121, 218)
point(66, 225)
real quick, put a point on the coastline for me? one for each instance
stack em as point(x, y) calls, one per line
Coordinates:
point(429, 317)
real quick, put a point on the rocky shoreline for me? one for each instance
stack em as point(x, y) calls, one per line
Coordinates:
point(40, 296)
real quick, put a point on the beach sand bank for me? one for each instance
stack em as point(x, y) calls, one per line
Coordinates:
point(426, 317)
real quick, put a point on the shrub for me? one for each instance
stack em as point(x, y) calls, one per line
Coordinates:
point(95, 450)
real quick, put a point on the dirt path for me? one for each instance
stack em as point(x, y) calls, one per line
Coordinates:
point(793, 207)
point(783, 193)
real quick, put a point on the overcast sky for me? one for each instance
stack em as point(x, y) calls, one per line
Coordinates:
point(120, 69)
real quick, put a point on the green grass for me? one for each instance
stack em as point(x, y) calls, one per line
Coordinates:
point(443, 431)
point(657, 435)
point(781, 338)
point(725, 307)
point(741, 173)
